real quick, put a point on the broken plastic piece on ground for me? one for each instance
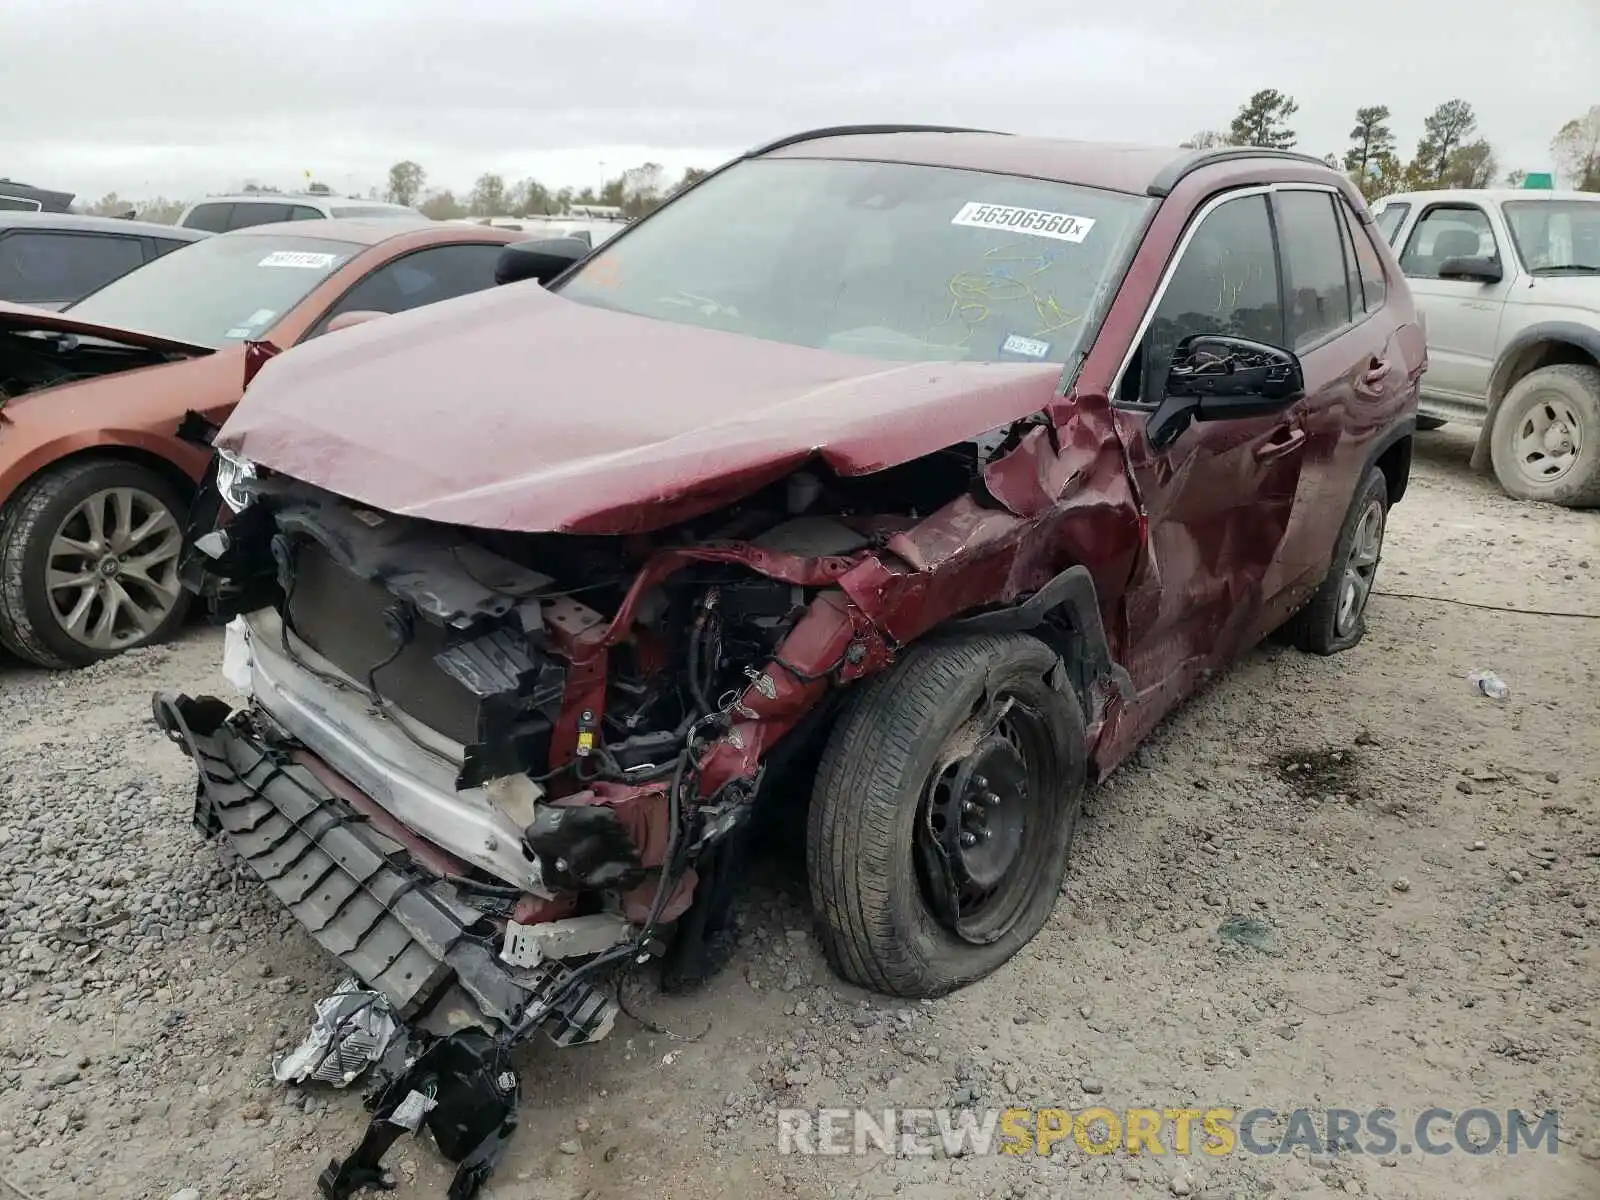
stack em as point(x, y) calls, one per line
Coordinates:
point(350, 1031)
point(1248, 931)
point(1490, 684)
point(463, 1089)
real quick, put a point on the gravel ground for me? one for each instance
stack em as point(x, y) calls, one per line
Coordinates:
point(1418, 864)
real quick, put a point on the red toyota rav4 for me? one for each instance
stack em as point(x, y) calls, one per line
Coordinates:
point(924, 469)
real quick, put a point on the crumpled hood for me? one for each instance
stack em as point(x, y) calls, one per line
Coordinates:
point(18, 317)
point(515, 409)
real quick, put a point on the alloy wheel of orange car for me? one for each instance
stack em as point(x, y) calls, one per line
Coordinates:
point(89, 558)
point(113, 568)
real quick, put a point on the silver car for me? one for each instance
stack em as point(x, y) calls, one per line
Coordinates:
point(1508, 282)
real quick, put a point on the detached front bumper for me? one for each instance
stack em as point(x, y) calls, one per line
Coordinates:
point(322, 848)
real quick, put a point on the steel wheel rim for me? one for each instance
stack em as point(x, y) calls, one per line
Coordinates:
point(111, 573)
point(1000, 786)
point(1360, 568)
point(1548, 439)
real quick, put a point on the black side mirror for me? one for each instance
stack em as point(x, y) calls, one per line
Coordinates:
point(1215, 377)
point(1478, 268)
point(541, 259)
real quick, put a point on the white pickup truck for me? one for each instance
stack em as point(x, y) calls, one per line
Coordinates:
point(1508, 282)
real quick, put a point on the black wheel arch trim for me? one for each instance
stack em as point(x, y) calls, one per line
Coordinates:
point(1071, 594)
point(1572, 333)
point(1403, 428)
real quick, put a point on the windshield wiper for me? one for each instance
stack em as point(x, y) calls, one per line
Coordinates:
point(1567, 269)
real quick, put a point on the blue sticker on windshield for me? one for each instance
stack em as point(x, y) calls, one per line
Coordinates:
point(1024, 347)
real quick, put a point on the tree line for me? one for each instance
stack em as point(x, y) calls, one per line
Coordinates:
point(635, 191)
point(1450, 153)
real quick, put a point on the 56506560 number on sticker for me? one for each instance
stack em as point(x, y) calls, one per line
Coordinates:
point(1036, 221)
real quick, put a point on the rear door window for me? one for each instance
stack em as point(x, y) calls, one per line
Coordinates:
point(1314, 265)
point(1389, 218)
point(46, 267)
point(304, 212)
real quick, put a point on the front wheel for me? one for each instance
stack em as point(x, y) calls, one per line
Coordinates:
point(1545, 444)
point(942, 813)
point(89, 563)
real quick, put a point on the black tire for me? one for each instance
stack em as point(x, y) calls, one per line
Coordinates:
point(1428, 424)
point(31, 518)
point(868, 809)
point(1318, 628)
point(1573, 391)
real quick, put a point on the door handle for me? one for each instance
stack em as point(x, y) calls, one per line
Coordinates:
point(1285, 441)
point(1374, 377)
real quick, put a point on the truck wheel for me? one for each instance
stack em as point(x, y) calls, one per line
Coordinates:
point(942, 813)
point(1336, 616)
point(1546, 439)
point(89, 563)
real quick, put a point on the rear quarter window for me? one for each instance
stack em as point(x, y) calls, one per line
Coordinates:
point(167, 245)
point(1369, 266)
point(1389, 218)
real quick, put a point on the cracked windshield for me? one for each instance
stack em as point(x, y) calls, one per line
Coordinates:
point(876, 259)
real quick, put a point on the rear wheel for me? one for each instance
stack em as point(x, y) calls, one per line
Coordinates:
point(1336, 616)
point(89, 563)
point(942, 814)
point(1545, 444)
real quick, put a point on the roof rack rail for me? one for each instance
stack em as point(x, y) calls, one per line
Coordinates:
point(811, 135)
point(1171, 174)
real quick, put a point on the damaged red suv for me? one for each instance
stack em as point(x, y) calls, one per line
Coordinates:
point(911, 475)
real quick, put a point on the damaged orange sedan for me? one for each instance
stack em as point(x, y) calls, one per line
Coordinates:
point(94, 481)
point(911, 475)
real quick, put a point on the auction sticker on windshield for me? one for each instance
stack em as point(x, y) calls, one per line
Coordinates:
point(1036, 221)
point(299, 258)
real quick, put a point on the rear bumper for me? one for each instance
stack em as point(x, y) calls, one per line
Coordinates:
point(404, 931)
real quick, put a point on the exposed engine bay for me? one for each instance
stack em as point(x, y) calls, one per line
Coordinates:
point(491, 771)
point(33, 360)
point(558, 695)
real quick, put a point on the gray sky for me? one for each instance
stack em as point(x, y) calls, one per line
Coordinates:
point(178, 97)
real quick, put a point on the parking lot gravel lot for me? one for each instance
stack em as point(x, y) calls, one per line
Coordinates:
point(1416, 867)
